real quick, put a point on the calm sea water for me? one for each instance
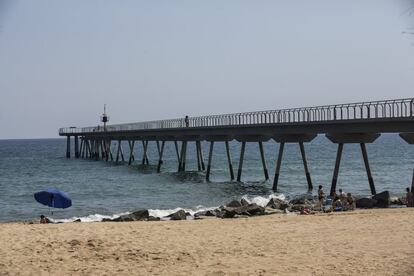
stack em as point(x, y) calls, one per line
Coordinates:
point(28, 166)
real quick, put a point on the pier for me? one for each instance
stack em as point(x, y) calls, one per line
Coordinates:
point(356, 123)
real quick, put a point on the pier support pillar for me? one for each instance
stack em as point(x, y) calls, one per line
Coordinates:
point(278, 165)
point(305, 165)
point(131, 152)
point(409, 138)
point(76, 147)
point(336, 169)
point(229, 160)
point(161, 152)
point(266, 173)
point(118, 151)
point(178, 154)
point(68, 147)
point(200, 153)
point(144, 154)
point(370, 179)
point(239, 171)
point(210, 158)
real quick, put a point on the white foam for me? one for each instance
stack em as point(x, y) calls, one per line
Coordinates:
point(263, 200)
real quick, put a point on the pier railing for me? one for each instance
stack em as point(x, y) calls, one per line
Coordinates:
point(354, 111)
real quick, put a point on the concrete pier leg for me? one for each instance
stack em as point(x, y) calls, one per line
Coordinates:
point(370, 179)
point(110, 150)
point(198, 157)
point(229, 160)
point(81, 148)
point(184, 156)
point(85, 148)
point(305, 165)
point(161, 152)
point(131, 151)
point(89, 146)
point(336, 170)
point(101, 145)
point(239, 171)
point(210, 158)
point(177, 153)
point(180, 162)
point(96, 150)
point(266, 173)
point(68, 147)
point(412, 184)
point(117, 152)
point(122, 152)
point(76, 147)
point(144, 154)
point(203, 167)
point(106, 147)
point(278, 165)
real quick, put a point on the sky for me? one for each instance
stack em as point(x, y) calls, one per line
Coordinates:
point(61, 61)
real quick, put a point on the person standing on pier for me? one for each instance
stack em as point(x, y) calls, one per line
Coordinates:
point(187, 121)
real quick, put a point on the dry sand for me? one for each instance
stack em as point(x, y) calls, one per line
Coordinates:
point(372, 242)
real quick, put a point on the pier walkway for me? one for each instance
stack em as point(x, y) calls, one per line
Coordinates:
point(342, 124)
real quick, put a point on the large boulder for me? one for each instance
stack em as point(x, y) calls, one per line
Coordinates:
point(383, 199)
point(250, 210)
point(208, 213)
point(276, 203)
point(140, 215)
point(225, 212)
point(234, 204)
point(128, 217)
point(366, 203)
point(179, 215)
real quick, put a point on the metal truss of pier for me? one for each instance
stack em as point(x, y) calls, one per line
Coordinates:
point(342, 124)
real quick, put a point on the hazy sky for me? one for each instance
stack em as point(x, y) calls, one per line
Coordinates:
point(60, 61)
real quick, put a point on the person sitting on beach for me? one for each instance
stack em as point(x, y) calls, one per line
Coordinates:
point(342, 195)
point(321, 194)
point(44, 219)
point(409, 198)
point(337, 204)
point(305, 211)
point(350, 201)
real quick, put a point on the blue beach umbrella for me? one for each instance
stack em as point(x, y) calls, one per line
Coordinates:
point(53, 198)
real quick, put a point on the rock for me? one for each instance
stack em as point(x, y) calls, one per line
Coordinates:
point(244, 202)
point(124, 218)
point(77, 220)
point(106, 219)
point(151, 218)
point(366, 203)
point(179, 215)
point(250, 210)
point(234, 204)
point(140, 215)
point(276, 203)
point(208, 213)
point(225, 212)
point(383, 199)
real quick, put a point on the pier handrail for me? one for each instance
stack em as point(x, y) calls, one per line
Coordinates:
point(398, 108)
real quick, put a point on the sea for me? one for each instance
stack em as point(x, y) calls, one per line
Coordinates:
point(100, 189)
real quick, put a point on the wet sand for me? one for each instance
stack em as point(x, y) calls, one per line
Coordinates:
point(364, 242)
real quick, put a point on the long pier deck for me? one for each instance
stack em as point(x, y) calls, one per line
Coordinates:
point(360, 123)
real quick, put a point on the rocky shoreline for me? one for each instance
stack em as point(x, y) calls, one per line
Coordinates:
point(243, 208)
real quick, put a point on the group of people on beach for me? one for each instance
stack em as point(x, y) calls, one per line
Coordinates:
point(338, 201)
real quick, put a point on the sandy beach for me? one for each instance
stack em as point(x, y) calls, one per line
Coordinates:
point(364, 242)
